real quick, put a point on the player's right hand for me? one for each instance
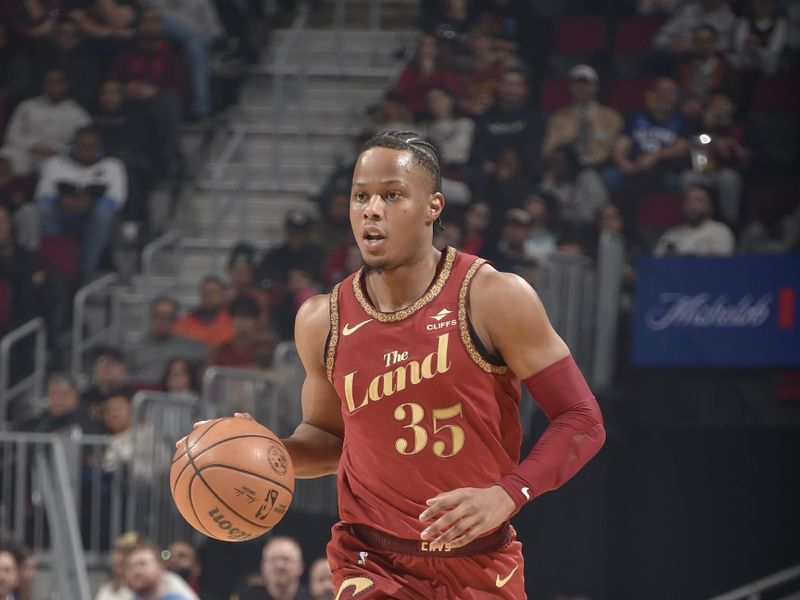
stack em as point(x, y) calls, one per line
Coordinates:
point(197, 424)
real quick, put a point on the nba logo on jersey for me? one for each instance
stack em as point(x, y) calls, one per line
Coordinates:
point(362, 558)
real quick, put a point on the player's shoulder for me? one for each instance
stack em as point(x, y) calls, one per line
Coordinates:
point(492, 286)
point(314, 312)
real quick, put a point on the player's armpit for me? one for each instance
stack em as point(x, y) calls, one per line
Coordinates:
point(316, 444)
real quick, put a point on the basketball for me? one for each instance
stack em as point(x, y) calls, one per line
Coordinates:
point(232, 479)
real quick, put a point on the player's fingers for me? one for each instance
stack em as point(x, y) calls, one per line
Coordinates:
point(243, 415)
point(442, 524)
point(465, 538)
point(199, 424)
point(458, 529)
point(441, 503)
point(181, 441)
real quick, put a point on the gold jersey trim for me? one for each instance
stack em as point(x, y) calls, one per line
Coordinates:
point(466, 337)
point(330, 354)
point(393, 317)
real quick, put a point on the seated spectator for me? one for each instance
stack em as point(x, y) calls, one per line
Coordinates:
point(580, 192)
point(242, 281)
point(476, 227)
point(183, 562)
point(320, 581)
point(281, 569)
point(510, 251)
point(510, 123)
point(117, 416)
point(705, 71)
point(146, 578)
point(14, 198)
point(392, 114)
point(699, 235)
point(508, 22)
point(109, 377)
point(265, 345)
point(449, 21)
point(9, 574)
point(180, 377)
point(542, 208)
point(64, 411)
point(33, 19)
point(761, 38)
point(299, 251)
point(69, 52)
point(146, 357)
point(719, 163)
point(507, 184)
point(481, 71)
point(239, 350)
point(126, 136)
point(154, 77)
point(194, 25)
point(591, 129)
point(82, 194)
point(209, 322)
point(774, 232)
point(451, 134)
point(425, 71)
point(301, 285)
point(333, 230)
point(675, 37)
point(43, 127)
point(34, 292)
point(105, 19)
point(26, 569)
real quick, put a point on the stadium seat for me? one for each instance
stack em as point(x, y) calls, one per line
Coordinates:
point(635, 35)
point(628, 95)
point(5, 304)
point(59, 254)
point(781, 93)
point(555, 94)
point(659, 210)
point(579, 35)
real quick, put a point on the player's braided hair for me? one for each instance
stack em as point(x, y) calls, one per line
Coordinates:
point(425, 154)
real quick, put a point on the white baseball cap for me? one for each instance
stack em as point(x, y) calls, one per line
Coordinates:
point(583, 72)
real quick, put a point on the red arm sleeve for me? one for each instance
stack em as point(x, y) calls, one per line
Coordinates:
point(575, 433)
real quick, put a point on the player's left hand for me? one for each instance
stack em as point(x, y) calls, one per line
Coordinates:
point(466, 514)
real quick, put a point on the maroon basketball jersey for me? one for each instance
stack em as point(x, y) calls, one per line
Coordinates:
point(424, 411)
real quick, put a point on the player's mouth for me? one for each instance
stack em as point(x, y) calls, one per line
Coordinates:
point(373, 238)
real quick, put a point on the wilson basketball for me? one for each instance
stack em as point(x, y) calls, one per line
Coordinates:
point(232, 479)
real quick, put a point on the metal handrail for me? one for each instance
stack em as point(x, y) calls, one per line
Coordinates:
point(172, 238)
point(35, 380)
point(753, 591)
point(610, 264)
point(80, 344)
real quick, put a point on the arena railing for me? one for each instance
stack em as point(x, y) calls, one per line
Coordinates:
point(172, 239)
point(756, 589)
point(610, 271)
point(31, 385)
point(37, 506)
point(108, 332)
point(274, 401)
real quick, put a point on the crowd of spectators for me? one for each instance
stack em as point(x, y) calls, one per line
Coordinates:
point(93, 95)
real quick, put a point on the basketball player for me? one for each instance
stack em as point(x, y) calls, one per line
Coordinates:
point(413, 369)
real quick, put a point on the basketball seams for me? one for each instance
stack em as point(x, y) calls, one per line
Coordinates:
point(186, 466)
point(245, 472)
point(209, 428)
point(236, 437)
point(191, 503)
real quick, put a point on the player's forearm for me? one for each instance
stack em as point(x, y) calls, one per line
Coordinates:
point(314, 451)
point(575, 433)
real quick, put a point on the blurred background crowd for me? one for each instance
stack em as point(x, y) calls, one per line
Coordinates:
point(674, 124)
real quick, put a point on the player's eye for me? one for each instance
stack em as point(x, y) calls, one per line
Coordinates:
point(360, 197)
point(393, 195)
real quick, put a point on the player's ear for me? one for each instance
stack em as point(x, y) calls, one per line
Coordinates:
point(435, 206)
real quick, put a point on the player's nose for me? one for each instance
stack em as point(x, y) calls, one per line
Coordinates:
point(374, 208)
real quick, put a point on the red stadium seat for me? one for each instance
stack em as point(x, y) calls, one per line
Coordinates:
point(579, 35)
point(5, 304)
point(60, 255)
point(635, 35)
point(780, 93)
point(660, 210)
point(555, 94)
point(628, 95)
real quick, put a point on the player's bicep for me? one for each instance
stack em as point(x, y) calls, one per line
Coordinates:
point(520, 332)
point(321, 405)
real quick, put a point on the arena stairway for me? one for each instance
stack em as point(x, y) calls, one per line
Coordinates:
point(345, 73)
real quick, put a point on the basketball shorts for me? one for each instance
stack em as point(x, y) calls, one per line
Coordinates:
point(370, 565)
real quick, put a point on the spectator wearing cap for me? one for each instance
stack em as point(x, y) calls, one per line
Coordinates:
point(109, 377)
point(43, 126)
point(147, 356)
point(299, 251)
point(209, 322)
point(83, 193)
point(510, 252)
point(587, 126)
point(425, 71)
point(239, 351)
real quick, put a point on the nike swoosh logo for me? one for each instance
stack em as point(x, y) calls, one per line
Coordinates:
point(347, 330)
point(358, 584)
point(526, 492)
point(501, 582)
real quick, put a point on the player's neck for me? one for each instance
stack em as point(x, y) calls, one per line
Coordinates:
point(395, 289)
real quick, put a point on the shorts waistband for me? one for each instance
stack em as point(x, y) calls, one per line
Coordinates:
point(383, 541)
